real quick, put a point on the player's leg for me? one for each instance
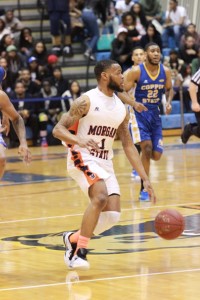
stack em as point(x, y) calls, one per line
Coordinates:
point(102, 213)
point(146, 155)
point(2, 157)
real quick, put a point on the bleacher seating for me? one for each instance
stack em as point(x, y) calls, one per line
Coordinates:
point(174, 120)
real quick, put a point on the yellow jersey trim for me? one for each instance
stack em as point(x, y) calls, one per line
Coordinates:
point(151, 76)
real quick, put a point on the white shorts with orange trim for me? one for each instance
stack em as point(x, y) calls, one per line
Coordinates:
point(91, 171)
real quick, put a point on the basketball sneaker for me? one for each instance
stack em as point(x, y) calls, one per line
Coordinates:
point(70, 247)
point(144, 196)
point(187, 132)
point(79, 261)
point(135, 175)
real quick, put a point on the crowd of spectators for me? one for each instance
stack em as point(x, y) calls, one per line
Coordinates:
point(33, 68)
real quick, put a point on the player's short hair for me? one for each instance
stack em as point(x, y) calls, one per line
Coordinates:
point(137, 47)
point(102, 66)
point(149, 45)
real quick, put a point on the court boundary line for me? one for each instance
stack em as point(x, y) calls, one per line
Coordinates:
point(100, 279)
point(80, 214)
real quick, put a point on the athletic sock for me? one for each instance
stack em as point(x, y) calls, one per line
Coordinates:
point(82, 242)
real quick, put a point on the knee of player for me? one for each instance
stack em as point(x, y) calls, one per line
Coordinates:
point(147, 150)
point(100, 200)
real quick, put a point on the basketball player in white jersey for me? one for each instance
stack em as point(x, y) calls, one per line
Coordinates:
point(8, 112)
point(89, 129)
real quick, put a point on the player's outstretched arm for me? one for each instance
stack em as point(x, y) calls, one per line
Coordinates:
point(69, 121)
point(9, 111)
point(133, 156)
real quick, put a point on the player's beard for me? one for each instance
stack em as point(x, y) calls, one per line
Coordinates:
point(151, 61)
point(114, 86)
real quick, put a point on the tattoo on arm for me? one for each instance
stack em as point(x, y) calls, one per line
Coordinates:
point(78, 110)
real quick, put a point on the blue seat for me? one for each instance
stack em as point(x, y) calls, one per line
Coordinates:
point(189, 118)
point(102, 55)
point(171, 121)
point(176, 107)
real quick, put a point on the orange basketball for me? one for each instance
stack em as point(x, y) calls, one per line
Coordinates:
point(169, 224)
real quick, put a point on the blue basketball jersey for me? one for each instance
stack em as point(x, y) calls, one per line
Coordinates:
point(149, 89)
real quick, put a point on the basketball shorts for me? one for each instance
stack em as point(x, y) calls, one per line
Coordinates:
point(2, 141)
point(146, 126)
point(90, 171)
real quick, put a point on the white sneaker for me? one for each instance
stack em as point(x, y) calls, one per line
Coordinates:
point(70, 247)
point(79, 261)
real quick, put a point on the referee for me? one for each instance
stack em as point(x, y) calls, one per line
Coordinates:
point(194, 90)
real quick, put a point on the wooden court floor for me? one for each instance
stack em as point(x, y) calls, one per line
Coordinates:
point(39, 202)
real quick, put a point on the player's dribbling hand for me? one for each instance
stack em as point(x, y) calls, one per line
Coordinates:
point(168, 108)
point(139, 107)
point(25, 153)
point(149, 189)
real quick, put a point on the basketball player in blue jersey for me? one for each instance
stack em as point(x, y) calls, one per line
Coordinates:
point(152, 80)
point(89, 129)
point(8, 112)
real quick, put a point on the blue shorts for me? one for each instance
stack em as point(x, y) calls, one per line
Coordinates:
point(146, 126)
point(2, 141)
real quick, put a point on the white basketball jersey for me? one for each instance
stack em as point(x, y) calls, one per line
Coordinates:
point(100, 124)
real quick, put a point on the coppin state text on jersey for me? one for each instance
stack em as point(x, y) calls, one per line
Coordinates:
point(149, 89)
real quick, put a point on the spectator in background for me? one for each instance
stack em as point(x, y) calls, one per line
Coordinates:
point(122, 49)
point(70, 95)
point(152, 10)
point(176, 21)
point(37, 75)
point(123, 6)
point(189, 50)
point(13, 23)
point(50, 113)
point(152, 35)
point(27, 111)
point(3, 29)
point(141, 21)
point(129, 22)
point(26, 41)
point(6, 41)
point(191, 30)
point(15, 62)
point(52, 62)
point(59, 81)
point(40, 52)
point(32, 86)
point(196, 63)
point(87, 9)
point(59, 12)
point(7, 82)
